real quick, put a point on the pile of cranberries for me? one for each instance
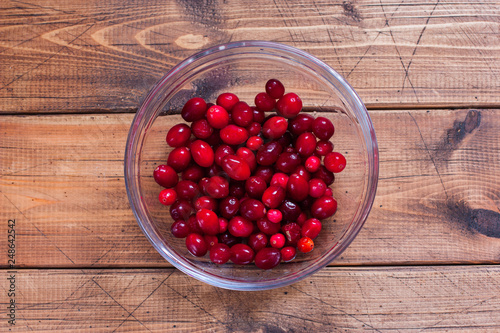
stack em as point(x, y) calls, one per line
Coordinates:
point(252, 187)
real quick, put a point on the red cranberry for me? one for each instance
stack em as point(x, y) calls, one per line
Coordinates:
point(292, 232)
point(252, 209)
point(220, 254)
point(264, 102)
point(202, 184)
point(287, 162)
point(311, 228)
point(223, 224)
point(211, 240)
point(329, 192)
point(181, 209)
point(277, 241)
point(178, 135)
point(180, 229)
point(267, 258)
point(301, 219)
point(179, 159)
point(254, 142)
point(240, 227)
point(297, 187)
point(288, 253)
point(194, 109)
point(205, 202)
point(228, 239)
point(273, 196)
point(214, 170)
point(280, 179)
point(227, 100)
point(264, 172)
point(302, 171)
point(274, 127)
point(323, 128)
point(194, 173)
point(290, 210)
point(258, 115)
point(286, 140)
point(254, 129)
point(323, 148)
point(275, 88)
point(335, 162)
point(233, 135)
point(214, 140)
point(222, 151)
point(312, 163)
point(167, 196)
point(242, 254)
point(325, 175)
point(274, 215)
point(217, 187)
point(268, 227)
point(289, 105)
point(300, 124)
point(317, 188)
point(248, 156)
point(237, 189)
point(201, 129)
point(306, 144)
point(202, 153)
point(165, 176)
point(242, 114)
point(193, 225)
point(229, 206)
point(324, 207)
point(255, 187)
point(257, 241)
point(187, 189)
point(268, 154)
point(305, 245)
point(208, 221)
point(196, 244)
point(236, 167)
point(217, 117)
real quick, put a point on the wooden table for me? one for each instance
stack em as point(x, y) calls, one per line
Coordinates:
point(72, 74)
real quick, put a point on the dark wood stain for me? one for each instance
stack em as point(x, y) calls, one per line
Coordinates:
point(351, 11)
point(483, 221)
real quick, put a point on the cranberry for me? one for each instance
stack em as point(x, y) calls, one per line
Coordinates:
point(236, 167)
point(208, 221)
point(258, 115)
point(237, 189)
point(214, 170)
point(287, 162)
point(165, 176)
point(323, 148)
point(194, 173)
point(286, 140)
point(274, 215)
point(288, 253)
point(264, 172)
point(306, 144)
point(223, 224)
point(257, 241)
point(324, 207)
point(302, 171)
point(297, 187)
point(211, 241)
point(335, 162)
point(181, 209)
point(305, 245)
point(233, 135)
point(323, 128)
point(264, 102)
point(196, 244)
point(229, 206)
point(301, 219)
point(222, 151)
point(254, 142)
point(214, 140)
point(268, 154)
point(267, 258)
point(202, 153)
point(205, 202)
point(201, 129)
point(300, 124)
point(311, 228)
point(275, 88)
point(273, 196)
point(290, 210)
point(268, 227)
point(325, 175)
point(178, 135)
point(274, 127)
point(289, 105)
point(242, 254)
point(277, 241)
point(180, 229)
point(317, 188)
point(220, 254)
point(227, 100)
point(306, 204)
point(248, 156)
point(329, 192)
point(228, 239)
point(217, 187)
point(202, 184)
point(242, 114)
point(217, 117)
point(187, 189)
point(179, 159)
point(252, 209)
point(254, 129)
point(292, 232)
point(194, 109)
point(240, 227)
point(255, 186)
point(193, 225)
point(312, 163)
point(280, 179)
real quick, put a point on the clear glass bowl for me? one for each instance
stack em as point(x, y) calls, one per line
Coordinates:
point(243, 68)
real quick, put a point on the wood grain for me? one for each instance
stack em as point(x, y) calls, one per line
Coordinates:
point(61, 179)
point(81, 56)
point(435, 298)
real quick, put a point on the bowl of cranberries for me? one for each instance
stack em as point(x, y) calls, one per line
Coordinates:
point(251, 165)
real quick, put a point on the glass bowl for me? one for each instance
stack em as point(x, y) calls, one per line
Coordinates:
point(243, 68)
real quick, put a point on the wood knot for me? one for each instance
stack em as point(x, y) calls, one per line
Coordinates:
point(351, 11)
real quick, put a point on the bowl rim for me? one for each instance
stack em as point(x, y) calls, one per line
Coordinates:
point(185, 265)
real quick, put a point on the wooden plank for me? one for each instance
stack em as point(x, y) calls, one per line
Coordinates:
point(72, 56)
point(61, 179)
point(439, 298)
